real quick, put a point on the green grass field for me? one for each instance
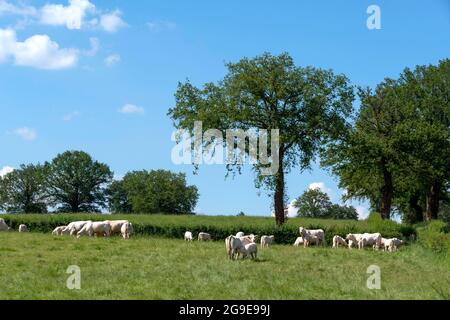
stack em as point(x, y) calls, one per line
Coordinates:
point(33, 266)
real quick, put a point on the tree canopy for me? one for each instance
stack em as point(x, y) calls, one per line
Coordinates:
point(397, 154)
point(156, 191)
point(314, 203)
point(24, 190)
point(307, 105)
point(76, 183)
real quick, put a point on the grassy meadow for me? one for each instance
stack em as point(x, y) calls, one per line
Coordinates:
point(33, 266)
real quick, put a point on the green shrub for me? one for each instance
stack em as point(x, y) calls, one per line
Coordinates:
point(218, 226)
point(435, 236)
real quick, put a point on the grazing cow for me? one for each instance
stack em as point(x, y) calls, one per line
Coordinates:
point(392, 244)
point(266, 241)
point(309, 239)
point(319, 233)
point(353, 239)
point(23, 228)
point(240, 234)
point(58, 231)
point(249, 239)
point(126, 230)
point(235, 247)
point(3, 225)
point(365, 239)
point(203, 236)
point(116, 226)
point(337, 240)
point(251, 250)
point(298, 242)
point(100, 229)
point(188, 236)
point(228, 246)
point(74, 227)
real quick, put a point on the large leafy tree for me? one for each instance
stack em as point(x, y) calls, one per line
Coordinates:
point(118, 200)
point(24, 190)
point(307, 105)
point(156, 191)
point(397, 155)
point(364, 159)
point(313, 203)
point(76, 183)
point(424, 137)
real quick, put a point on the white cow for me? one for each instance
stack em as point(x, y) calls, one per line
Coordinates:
point(74, 227)
point(266, 241)
point(366, 239)
point(251, 250)
point(337, 240)
point(58, 231)
point(251, 238)
point(319, 233)
point(240, 234)
point(188, 236)
point(234, 247)
point(309, 239)
point(3, 225)
point(203, 236)
point(298, 242)
point(23, 228)
point(392, 244)
point(102, 229)
point(126, 230)
point(116, 226)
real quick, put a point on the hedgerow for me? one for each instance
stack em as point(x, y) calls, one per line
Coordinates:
point(218, 226)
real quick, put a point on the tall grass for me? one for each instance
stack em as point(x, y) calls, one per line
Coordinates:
point(33, 266)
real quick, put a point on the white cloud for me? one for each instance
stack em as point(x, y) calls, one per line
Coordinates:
point(112, 60)
point(70, 116)
point(38, 51)
point(76, 15)
point(71, 16)
point(363, 212)
point(131, 108)
point(321, 186)
point(112, 22)
point(21, 9)
point(292, 211)
point(95, 46)
point(26, 133)
point(159, 25)
point(5, 170)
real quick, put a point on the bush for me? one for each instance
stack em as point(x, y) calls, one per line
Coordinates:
point(435, 236)
point(218, 226)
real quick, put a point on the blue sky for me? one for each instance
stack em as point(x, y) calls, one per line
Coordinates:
point(99, 76)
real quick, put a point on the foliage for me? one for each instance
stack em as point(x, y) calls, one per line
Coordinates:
point(174, 226)
point(153, 192)
point(314, 203)
point(76, 182)
point(398, 151)
point(307, 106)
point(434, 236)
point(24, 190)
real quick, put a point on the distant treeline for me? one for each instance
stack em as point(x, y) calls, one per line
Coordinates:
point(73, 182)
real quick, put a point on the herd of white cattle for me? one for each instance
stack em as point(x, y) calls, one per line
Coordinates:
point(245, 245)
point(86, 228)
point(236, 245)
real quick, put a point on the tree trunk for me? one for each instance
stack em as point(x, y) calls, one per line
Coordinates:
point(416, 211)
point(279, 191)
point(386, 192)
point(432, 200)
